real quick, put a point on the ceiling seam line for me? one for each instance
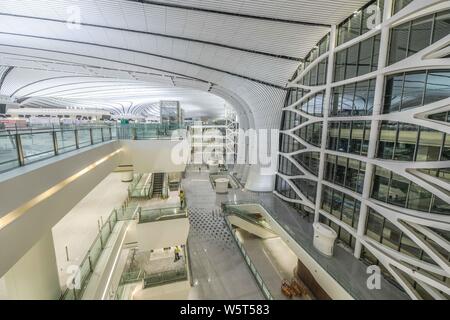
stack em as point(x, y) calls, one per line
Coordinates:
point(161, 35)
point(97, 67)
point(151, 54)
point(241, 15)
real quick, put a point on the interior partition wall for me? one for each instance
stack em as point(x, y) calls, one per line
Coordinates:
point(365, 140)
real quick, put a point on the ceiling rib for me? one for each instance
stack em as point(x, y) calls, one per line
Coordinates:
point(160, 35)
point(4, 75)
point(140, 52)
point(241, 15)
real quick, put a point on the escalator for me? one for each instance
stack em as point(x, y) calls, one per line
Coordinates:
point(251, 222)
point(158, 185)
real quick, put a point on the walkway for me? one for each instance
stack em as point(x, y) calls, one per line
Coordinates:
point(273, 259)
point(218, 269)
point(78, 229)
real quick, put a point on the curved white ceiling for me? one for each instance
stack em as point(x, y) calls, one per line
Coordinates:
point(134, 51)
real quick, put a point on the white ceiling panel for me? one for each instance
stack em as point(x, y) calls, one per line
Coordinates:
point(241, 52)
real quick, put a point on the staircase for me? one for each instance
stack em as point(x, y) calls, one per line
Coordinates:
point(174, 185)
point(158, 185)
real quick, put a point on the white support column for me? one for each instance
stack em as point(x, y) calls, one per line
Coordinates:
point(35, 275)
point(326, 106)
point(375, 126)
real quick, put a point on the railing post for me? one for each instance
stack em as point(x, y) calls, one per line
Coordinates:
point(103, 138)
point(20, 155)
point(77, 142)
point(100, 233)
point(90, 262)
point(110, 133)
point(92, 138)
point(55, 142)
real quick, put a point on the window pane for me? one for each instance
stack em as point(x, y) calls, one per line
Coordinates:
point(357, 137)
point(344, 136)
point(352, 62)
point(399, 41)
point(406, 142)
point(430, 142)
point(438, 86)
point(360, 179)
point(446, 149)
point(440, 206)
point(374, 227)
point(354, 26)
point(365, 56)
point(341, 166)
point(391, 235)
point(360, 101)
point(441, 25)
point(413, 89)
point(400, 4)
point(337, 204)
point(380, 184)
point(347, 210)
point(376, 51)
point(352, 174)
point(409, 247)
point(370, 97)
point(386, 144)
point(333, 134)
point(336, 100)
point(347, 101)
point(322, 73)
point(420, 34)
point(326, 199)
point(330, 168)
point(393, 94)
point(339, 70)
point(419, 198)
point(398, 190)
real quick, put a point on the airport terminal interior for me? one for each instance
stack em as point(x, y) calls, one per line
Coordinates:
point(225, 150)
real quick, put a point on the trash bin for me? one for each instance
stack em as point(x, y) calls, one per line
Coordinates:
point(324, 238)
point(127, 176)
point(222, 185)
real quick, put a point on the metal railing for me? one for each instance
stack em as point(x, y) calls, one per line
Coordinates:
point(250, 264)
point(305, 240)
point(149, 280)
point(152, 215)
point(20, 146)
point(147, 131)
point(139, 188)
point(86, 268)
point(246, 215)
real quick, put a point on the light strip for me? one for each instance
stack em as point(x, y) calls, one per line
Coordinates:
point(18, 212)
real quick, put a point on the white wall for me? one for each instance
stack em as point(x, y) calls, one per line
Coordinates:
point(35, 275)
point(21, 230)
point(155, 155)
point(259, 180)
point(173, 291)
point(162, 234)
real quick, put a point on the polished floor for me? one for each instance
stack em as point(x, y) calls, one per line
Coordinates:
point(218, 268)
point(272, 258)
point(79, 228)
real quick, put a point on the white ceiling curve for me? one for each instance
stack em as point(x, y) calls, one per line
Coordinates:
point(136, 51)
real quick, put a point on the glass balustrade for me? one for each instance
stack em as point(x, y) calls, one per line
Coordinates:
point(127, 212)
point(20, 146)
